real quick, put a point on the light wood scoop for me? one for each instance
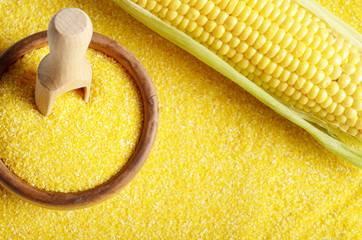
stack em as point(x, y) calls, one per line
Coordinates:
point(65, 68)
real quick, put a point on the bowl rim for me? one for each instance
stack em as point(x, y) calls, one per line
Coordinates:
point(86, 198)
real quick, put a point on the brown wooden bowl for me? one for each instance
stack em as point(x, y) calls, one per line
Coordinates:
point(74, 200)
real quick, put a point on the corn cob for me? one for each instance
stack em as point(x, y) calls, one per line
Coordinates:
point(283, 48)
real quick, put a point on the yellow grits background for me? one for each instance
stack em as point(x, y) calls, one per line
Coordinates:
point(224, 166)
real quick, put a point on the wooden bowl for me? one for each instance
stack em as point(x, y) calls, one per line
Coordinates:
point(74, 200)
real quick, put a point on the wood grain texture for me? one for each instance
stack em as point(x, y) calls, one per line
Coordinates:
point(75, 200)
point(65, 68)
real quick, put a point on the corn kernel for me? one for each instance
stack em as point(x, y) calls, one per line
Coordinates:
point(357, 95)
point(287, 60)
point(260, 41)
point(280, 19)
point(184, 23)
point(316, 41)
point(151, 5)
point(353, 58)
point(316, 108)
point(174, 5)
point(257, 23)
point(329, 70)
point(279, 36)
point(280, 55)
point(350, 113)
point(226, 37)
point(252, 38)
point(256, 58)
point(193, 14)
point(299, 83)
point(357, 105)
point(311, 103)
point(252, 17)
point(312, 93)
point(347, 102)
point(207, 8)
point(327, 101)
point(315, 57)
point(308, 85)
point(267, 77)
point(171, 15)
point(337, 71)
point(352, 122)
point(237, 58)
point(214, 13)
point(267, 10)
point(325, 82)
point(219, 31)
point(289, 91)
point(350, 89)
point(163, 12)
point(336, 60)
point(274, 83)
point(270, 33)
point(270, 68)
point(341, 119)
point(245, 34)
point(224, 49)
point(264, 62)
point(330, 117)
point(306, 55)
point(301, 33)
point(221, 18)
point(357, 77)
point(303, 100)
point(339, 110)
point(234, 42)
point(210, 26)
point(221, 3)
point(318, 77)
point(231, 6)
point(274, 14)
point(245, 13)
point(231, 53)
point(332, 108)
point(238, 8)
point(284, 76)
point(296, 95)
point(359, 124)
point(177, 20)
point(242, 47)
point(273, 51)
point(339, 96)
point(322, 64)
point(302, 68)
point(202, 20)
point(183, 9)
point(230, 22)
point(191, 26)
point(343, 80)
point(293, 65)
point(238, 29)
point(277, 72)
point(264, 26)
point(329, 52)
point(344, 52)
point(250, 52)
point(322, 46)
point(266, 47)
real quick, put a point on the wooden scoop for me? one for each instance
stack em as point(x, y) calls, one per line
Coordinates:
point(65, 68)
